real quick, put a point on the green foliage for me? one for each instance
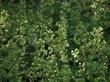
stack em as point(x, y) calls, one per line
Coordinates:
point(54, 41)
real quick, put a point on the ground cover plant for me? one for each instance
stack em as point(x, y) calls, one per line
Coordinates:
point(54, 41)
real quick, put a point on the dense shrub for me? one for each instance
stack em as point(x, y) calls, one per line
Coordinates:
point(54, 41)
